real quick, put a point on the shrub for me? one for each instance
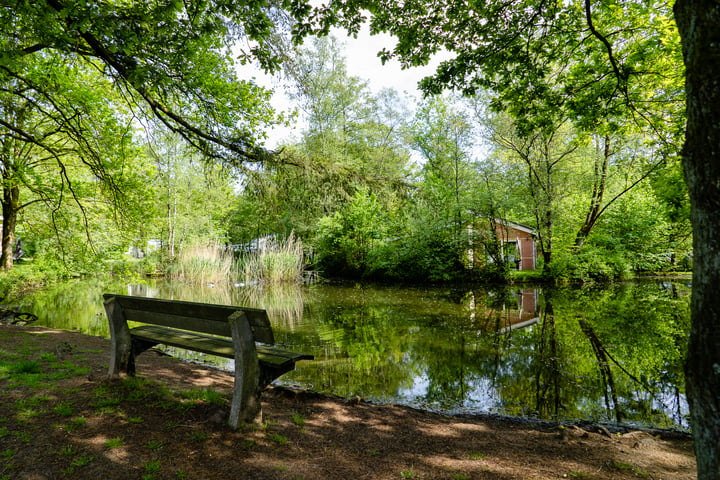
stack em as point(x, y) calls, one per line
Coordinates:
point(435, 256)
point(588, 266)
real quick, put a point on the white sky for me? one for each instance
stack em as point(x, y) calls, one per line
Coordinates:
point(362, 62)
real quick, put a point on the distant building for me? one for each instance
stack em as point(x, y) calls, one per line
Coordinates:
point(517, 245)
point(137, 251)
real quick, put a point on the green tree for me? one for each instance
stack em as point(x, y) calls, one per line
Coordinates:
point(545, 155)
point(48, 158)
point(194, 197)
point(443, 135)
point(353, 142)
point(346, 238)
point(69, 70)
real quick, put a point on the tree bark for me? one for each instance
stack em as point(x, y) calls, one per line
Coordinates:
point(599, 182)
point(699, 25)
point(10, 207)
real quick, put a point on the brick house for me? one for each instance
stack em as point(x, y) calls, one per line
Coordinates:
point(517, 245)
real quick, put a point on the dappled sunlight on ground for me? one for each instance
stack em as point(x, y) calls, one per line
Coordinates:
point(158, 434)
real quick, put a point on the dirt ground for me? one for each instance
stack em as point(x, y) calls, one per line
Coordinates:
point(70, 421)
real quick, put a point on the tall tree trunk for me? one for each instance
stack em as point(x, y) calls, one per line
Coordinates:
point(699, 25)
point(10, 207)
point(599, 182)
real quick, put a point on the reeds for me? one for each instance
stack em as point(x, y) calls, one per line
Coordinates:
point(204, 264)
point(277, 261)
point(284, 302)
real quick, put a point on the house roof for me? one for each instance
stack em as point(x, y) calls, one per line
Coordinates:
point(518, 226)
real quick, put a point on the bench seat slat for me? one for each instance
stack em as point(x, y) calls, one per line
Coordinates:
point(203, 325)
point(221, 347)
point(203, 317)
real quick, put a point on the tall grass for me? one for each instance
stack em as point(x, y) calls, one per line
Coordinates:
point(204, 264)
point(277, 262)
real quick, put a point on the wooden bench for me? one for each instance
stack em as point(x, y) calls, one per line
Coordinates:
point(225, 331)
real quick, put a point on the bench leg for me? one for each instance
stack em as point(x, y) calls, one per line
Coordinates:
point(121, 351)
point(245, 408)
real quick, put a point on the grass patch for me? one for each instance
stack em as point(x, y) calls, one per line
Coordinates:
point(277, 438)
point(75, 423)
point(578, 475)
point(64, 409)
point(24, 416)
point(155, 445)
point(152, 468)
point(68, 451)
point(206, 395)
point(25, 367)
point(204, 264)
point(107, 402)
point(477, 456)
point(114, 443)
point(172, 424)
point(82, 461)
point(277, 262)
point(630, 467)
point(407, 473)
point(48, 357)
point(298, 419)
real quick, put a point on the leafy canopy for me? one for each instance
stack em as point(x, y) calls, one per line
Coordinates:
point(597, 63)
point(172, 59)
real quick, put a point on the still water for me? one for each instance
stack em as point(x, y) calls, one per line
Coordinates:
point(611, 354)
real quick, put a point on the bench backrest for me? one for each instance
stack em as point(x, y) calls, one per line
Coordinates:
point(197, 317)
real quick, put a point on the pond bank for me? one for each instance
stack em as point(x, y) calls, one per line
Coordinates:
point(62, 417)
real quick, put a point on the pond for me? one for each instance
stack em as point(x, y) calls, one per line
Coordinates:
point(611, 354)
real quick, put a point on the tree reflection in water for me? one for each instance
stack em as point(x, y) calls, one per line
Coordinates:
point(604, 354)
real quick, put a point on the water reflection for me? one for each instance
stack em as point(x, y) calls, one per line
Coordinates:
point(612, 354)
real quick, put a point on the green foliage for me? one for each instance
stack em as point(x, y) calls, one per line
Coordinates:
point(23, 278)
point(588, 266)
point(64, 409)
point(407, 473)
point(345, 239)
point(25, 367)
point(298, 419)
point(431, 254)
point(73, 97)
point(115, 442)
point(443, 134)
point(351, 155)
point(590, 115)
point(155, 445)
point(75, 423)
